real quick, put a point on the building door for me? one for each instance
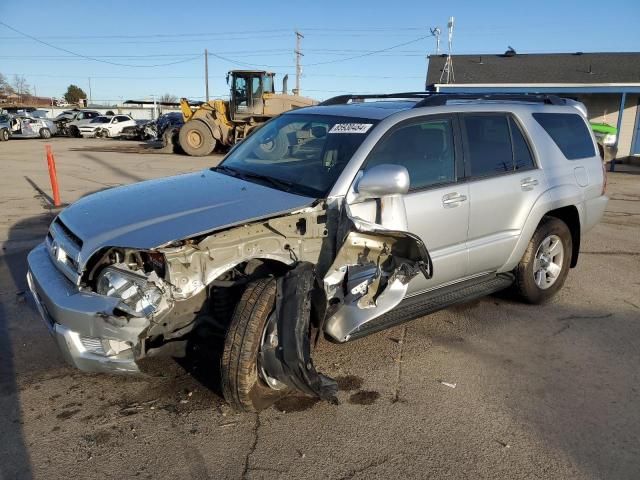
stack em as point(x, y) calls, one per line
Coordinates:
point(635, 143)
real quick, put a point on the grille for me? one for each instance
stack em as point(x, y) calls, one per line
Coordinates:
point(64, 247)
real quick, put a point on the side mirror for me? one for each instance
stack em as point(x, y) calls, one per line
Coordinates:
point(383, 180)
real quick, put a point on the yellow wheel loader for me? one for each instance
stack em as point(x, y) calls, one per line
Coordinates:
point(253, 101)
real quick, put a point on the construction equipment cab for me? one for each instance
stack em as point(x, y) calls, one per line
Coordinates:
point(252, 102)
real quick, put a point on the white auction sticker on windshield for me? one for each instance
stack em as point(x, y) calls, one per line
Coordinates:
point(351, 128)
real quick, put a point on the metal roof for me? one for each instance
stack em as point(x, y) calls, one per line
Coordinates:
point(543, 68)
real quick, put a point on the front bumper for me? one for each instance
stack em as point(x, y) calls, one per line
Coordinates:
point(73, 317)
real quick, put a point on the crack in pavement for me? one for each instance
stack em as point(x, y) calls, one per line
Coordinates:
point(396, 395)
point(613, 252)
point(247, 459)
point(585, 317)
point(372, 464)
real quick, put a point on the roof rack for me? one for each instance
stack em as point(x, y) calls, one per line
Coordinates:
point(430, 99)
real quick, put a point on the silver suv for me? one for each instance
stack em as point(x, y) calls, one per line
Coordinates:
point(341, 219)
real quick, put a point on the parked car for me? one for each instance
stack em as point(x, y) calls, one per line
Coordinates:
point(94, 127)
point(136, 132)
point(70, 121)
point(344, 219)
point(26, 126)
point(114, 127)
point(4, 127)
point(607, 138)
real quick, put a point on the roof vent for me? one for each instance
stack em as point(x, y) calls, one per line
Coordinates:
point(510, 52)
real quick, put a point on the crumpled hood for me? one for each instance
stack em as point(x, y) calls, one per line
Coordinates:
point(155, 212)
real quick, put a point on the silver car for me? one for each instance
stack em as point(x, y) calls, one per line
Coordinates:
point(343, 219)
point(4, 127)
point(27, 126)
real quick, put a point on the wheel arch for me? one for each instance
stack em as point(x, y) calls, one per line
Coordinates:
point(571, 218)
point(564, 202)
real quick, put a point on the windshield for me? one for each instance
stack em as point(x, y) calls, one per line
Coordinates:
point(100, 120)
point(4, 118)
point(299, 153)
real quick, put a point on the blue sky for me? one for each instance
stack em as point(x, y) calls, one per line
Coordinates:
point(257, 32)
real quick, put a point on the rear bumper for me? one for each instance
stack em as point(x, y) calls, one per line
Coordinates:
point(594, 210)
point(80, 321)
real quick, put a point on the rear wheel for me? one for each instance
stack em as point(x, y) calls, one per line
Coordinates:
point(245, 384)
point(45, 133)
point(545, 264)
point(4, 135)
point(196, 139)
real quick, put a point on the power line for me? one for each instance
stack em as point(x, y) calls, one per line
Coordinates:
point(93, 58)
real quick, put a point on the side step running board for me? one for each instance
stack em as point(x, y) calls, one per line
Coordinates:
point(430, 302)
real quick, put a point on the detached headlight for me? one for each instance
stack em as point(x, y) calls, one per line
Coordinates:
point(138, 296)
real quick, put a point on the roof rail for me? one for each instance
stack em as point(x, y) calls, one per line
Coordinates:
point(344, 99)
point(438, 99)
point(430, 99)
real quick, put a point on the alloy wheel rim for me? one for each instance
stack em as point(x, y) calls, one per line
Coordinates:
point(548, 261)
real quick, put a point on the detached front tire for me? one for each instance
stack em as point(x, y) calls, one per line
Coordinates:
point(545, 264)
point(242, 385)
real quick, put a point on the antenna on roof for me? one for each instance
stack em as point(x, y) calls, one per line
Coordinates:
point(447, 72)
point(435, 31)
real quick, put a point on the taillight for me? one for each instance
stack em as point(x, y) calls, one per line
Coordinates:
point(604, 178)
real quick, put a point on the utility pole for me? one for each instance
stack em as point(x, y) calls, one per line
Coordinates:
point(89, 92)
point(299, 56)
point(206, 75)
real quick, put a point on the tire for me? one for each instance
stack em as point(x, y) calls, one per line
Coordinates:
point(242, 387)
point(196, 139)
point(74, 131)
point(45, 133)
point(105, 133)
point(537, 281)
point(4, 135)
point(275, 149)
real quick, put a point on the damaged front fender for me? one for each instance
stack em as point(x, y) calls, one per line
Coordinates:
point(290, 362)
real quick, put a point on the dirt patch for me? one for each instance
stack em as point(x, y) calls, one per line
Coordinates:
point(364, 397)
point(349, 383)
point(65, 415)
point(295, 404)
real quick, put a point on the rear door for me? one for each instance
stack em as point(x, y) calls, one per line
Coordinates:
point(504, 183)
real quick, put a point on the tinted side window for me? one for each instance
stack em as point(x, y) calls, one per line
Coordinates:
point(425, 149)
point(569, 133)
point(522, 157)
point(122, 118)
point(488, 144)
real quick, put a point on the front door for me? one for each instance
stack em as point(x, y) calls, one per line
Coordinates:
point(437, 204)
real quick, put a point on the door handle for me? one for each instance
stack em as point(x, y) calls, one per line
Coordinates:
point(454, 199)
point(528, 183)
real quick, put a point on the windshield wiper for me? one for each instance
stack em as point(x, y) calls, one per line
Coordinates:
point(277, 183)
point(274, 182)
point(228, 170)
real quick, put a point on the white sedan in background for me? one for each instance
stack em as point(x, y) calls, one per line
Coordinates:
point(107, 126)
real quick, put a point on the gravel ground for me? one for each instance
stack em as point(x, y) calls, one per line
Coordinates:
point(540, 391)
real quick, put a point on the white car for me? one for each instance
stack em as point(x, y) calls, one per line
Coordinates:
point(111, 128)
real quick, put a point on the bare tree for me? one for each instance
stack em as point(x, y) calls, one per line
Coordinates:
point(20, 85)
point(5, 87)
point(168, 98)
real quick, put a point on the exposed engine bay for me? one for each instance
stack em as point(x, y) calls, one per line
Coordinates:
point(332, 278)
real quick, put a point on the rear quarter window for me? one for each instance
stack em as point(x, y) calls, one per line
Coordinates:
point(569, 132)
